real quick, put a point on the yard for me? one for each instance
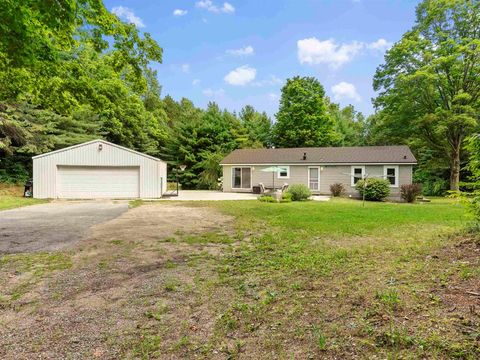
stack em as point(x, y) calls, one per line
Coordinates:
point(245, 279)
point(11, 197)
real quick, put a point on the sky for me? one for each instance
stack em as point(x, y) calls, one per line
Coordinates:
point(239, 53)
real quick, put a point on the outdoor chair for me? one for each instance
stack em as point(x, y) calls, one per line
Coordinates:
point(284, 187)
point(262, 188)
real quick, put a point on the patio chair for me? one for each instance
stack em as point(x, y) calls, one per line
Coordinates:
point(284, 187)
point(262, 188)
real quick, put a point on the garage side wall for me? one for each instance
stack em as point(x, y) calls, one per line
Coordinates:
point(152, 181)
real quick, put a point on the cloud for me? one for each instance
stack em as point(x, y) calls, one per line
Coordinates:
point(213, 93)
point(380, 45)
point(196, 82)
point(312, 51)
point(345, 90)
point(273, 96)
point(245, 51)
point(241, 76)
point(185, 68)
point(179, 12)
point(128, 15)
point(208, 5)
point(271, 81)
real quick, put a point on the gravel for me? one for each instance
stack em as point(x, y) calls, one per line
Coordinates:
point(53, 226)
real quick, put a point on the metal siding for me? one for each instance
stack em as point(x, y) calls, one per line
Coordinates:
point(45, 168)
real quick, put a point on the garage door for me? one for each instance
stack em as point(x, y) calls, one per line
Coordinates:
point(89, 182)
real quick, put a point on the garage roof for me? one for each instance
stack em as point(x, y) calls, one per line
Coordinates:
point(95, 141)
point(323, 155)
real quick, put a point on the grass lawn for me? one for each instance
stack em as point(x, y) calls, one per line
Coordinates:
point(11, 196)
point(295, 280)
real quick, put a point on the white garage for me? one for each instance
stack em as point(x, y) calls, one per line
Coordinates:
point(98, 169)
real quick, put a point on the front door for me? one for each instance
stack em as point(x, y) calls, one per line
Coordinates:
point(314, 178)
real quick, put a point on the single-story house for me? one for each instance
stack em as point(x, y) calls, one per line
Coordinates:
point(98, 169)
point(318, 168)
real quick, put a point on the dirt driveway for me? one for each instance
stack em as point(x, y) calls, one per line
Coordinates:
point(106, 291)
point(53, 226)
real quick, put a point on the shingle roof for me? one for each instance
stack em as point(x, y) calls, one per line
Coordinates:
point(326, 155)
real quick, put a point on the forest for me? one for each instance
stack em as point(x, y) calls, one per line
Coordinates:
point(71, 71)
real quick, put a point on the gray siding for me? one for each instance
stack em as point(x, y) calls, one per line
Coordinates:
point(153, 173)
point(329, 175)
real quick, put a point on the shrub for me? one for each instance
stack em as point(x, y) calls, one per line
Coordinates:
point(410, 192)
point(267, 198)
point(337, 189)
point(299, 192)
point(286, 197)
point(375, 190)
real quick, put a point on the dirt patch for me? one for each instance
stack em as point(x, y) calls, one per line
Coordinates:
point(123, 278)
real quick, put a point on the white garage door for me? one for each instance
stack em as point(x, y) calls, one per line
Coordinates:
point(91, 182)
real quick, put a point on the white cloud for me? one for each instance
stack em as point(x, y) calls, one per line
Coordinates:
point(271, 81)
point(313, 52)
point(241, 76)
point(380, 45)
point(245, 51)
point(211, 93)
point(196, 82)
point(226, 8)
point(128, 15)
point(273, 97)
point(179, 12)
point(185, 68)
point(345, 90)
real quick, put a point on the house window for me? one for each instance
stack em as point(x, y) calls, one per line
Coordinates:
point(285, 173)
point(358, 173)
point(241, 178)
point(391, 174)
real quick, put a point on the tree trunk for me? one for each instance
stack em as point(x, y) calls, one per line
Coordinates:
point(455, 169)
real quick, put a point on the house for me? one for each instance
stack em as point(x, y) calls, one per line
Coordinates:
point(318, 168)
point(98, 169)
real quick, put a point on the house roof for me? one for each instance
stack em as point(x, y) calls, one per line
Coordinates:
point(96, 141)
point(323, 155)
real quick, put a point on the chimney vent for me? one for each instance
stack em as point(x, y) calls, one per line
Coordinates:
point(404, 156)
point(305, 156)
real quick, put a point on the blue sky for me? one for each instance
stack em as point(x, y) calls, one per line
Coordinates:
point(241, 52)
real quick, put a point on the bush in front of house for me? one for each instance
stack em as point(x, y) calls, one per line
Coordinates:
point(286, 197)
point(299, 192)
point(409, 192)
point(337, 189)
point(267, 198)
point(375, 190)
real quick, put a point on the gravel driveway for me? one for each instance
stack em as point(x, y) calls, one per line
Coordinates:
point(53, 226)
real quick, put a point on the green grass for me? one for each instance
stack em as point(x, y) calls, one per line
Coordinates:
point(328, 258)
point(11, 202)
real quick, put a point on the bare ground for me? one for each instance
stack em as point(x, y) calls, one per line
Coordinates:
point(120, 278)
point(154, 283)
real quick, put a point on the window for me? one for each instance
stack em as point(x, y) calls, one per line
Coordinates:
point(358, 173)
point(391, 174)
point(285, 173)
point(241, 178)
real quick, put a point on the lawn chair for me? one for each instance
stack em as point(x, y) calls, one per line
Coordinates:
point(262, 188)
point(284, 187)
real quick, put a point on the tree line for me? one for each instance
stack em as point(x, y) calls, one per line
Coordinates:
point(70, 71)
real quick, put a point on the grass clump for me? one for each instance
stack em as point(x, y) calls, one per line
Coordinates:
point(267, 199)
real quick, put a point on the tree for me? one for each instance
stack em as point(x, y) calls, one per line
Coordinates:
point(349, 124)
point(429, 85)
point(302, 119)
point(258, 126)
